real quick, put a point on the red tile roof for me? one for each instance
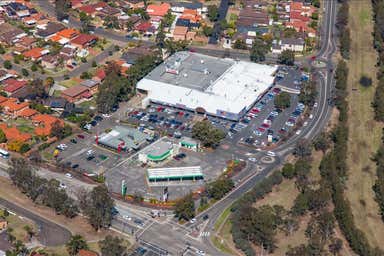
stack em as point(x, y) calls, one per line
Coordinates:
point(28, 112)
point(296, 15)
point(75, 91)
point(13, 134)
point(83, 252)
point(158, 10)
point(91, 8)
point(143, 27)
point(11, 105)
point(68, 33)
point(83, 39)
point(33, 53)
point(100, 73)
point(11, 85)
point(46, 121)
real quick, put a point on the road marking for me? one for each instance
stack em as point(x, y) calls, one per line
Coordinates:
point(204, 234)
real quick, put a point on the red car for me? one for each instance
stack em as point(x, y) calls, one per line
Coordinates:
point(261, 129)
point(265, 125)
point(81, 136)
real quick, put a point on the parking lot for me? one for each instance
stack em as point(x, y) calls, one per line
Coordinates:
point(134, 173)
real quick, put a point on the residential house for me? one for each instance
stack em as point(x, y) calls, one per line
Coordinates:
point(179, 7)
point(158, 10)
point(56, 103)
point(12, 107)
point(11, 85)
point(45, 123)
point(84, 252)
point(4, 75)
point(76, 93)
point(50, 61)
point(84, 41)
point(179, 33)
point(191, 15)
point(68, 51)
point(135, 4)
point(293, 44)
point(91, 84)
point(68, 33)
point(99, 75)
point(93, 9)
point(49, 30)
point(251, 19)
point(27, 113)
point(109, 11)
point(26, 43)
point(35, 54)
point(10, 34)
point(75, 4)
point(13, 134)
point(145, 28)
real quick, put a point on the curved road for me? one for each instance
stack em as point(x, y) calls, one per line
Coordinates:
point(321, 116)
point(50, 234)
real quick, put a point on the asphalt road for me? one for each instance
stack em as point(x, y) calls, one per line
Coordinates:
point(321, 116)
point(50, 234)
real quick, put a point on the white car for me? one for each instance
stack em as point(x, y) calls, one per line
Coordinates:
point(252, 159)
point(62, 186)
point(315, 105)
point(68, 175)
point(270, 153)
point(106, 115)
point(200, 252)
point(310, 116)
point(127, 217)
point(305, 124)
point(192, 221)
point(298, 132)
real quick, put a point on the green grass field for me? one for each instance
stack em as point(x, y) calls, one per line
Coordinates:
point(364, 132)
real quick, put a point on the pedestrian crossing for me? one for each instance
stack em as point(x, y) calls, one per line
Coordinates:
point(204, 234)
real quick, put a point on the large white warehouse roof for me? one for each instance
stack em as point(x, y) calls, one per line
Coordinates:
point(222, 87)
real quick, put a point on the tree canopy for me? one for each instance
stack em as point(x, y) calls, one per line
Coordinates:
point(209, 135)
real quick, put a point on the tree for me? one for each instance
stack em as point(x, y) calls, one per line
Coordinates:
point(3, 138)
point(111, 22)
point(185, 208)
point(213, 13)
point(288, 171)
point(209, 135)
point(240, 44)
point(34, 67)
point(24, 72)
point(49, 82)
point(258, 50)
point(2, 50)
point(168, 19)
point(60, 131)
point(100, 207)
point(217, 189)
point(36, 87)
point(61, 7)
point(29, 231)
point(365, 81)
point(335, 246)
point(75, 244)
point(7, 64)
point(287, 57)
point(308, 93)
point(302, 149)
point(207, 30)
point(282, 100)
point(322, 142)
point(112, 246)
